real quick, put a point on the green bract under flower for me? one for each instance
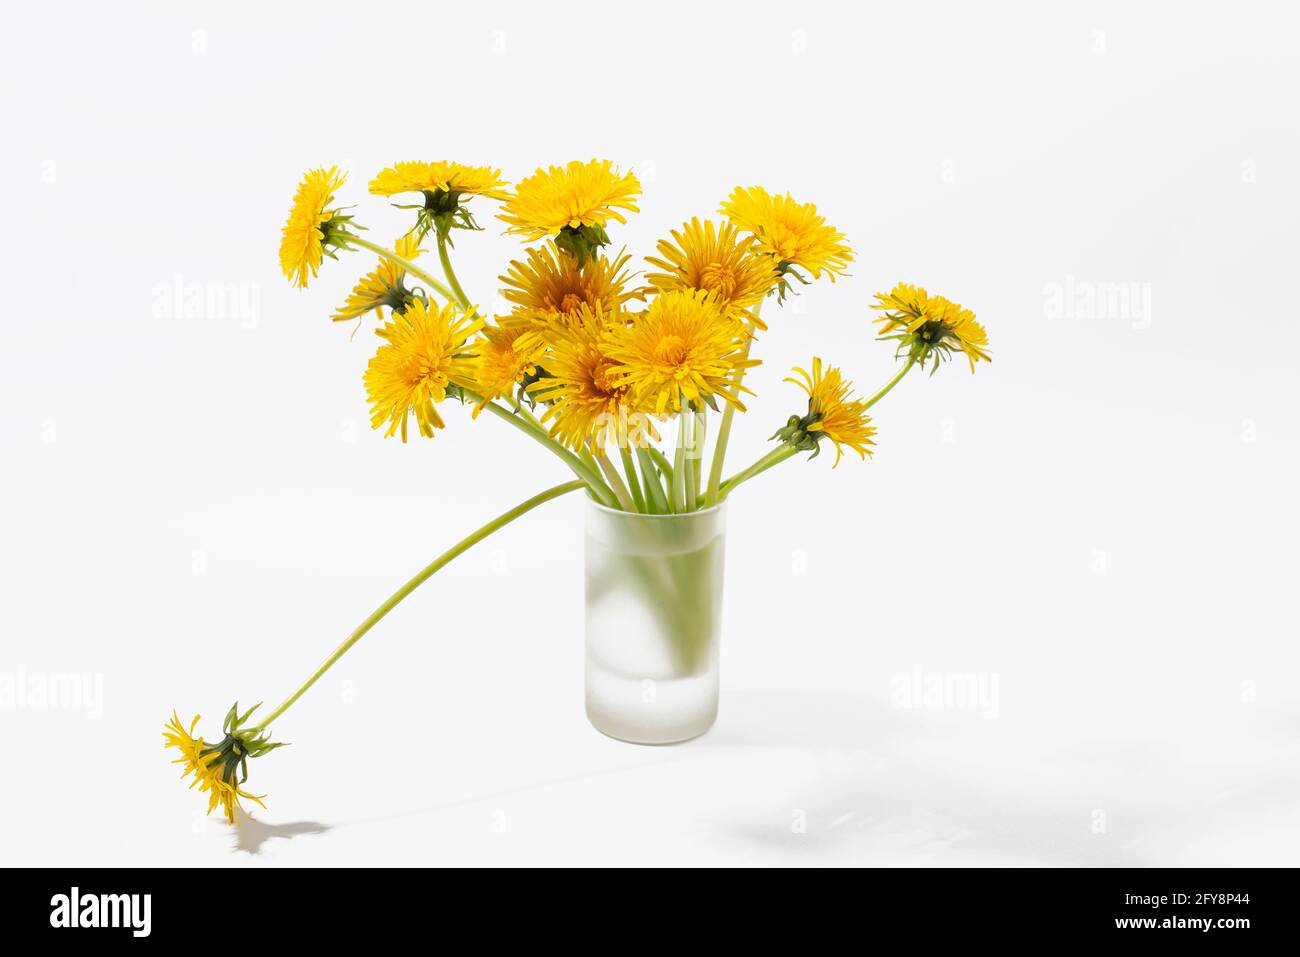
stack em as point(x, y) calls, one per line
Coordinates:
point(930, 327)
point(797, 433)
point(231, 754)
point(582, 242)
point(441, 212)
point(220, 770)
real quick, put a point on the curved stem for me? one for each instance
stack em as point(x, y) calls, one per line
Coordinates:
point(719, 454)
point(522, 410)
point(633, 483)
point(611, 476)
point(661, 460)
point(406, 264)
point(656, 497)
point(891, 383)
point(580, 468)
point(774, 457)
point(587, 459)
point(450, 273)
point(463, 545)
point(779, 455)
point(591, 476)
point(724, 428)
point(531, 427)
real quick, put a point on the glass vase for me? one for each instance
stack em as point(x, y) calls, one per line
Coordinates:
point(654, 590)
point(653, 614)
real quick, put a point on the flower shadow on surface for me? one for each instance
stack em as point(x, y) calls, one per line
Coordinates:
point(251, 833)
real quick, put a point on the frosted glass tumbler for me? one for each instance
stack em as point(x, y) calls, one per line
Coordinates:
point(654, 611)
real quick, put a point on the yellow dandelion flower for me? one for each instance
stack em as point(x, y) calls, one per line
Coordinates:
point(683, 347)
point(572, 203)
point(902, 305)
point(792, 232)
point(717, 260)
point(586, 405)
point(440, 176)
point(551, 289)
point(500, 363)
point(926, 325)
point(833, 412)
point(424, 354)
point(445, 187)
point(385, 285)
point(305, 240)
point(209, 769)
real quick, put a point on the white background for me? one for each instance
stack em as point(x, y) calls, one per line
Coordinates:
point(1100, 525)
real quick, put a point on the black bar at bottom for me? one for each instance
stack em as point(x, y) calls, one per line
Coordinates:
point(326, 906)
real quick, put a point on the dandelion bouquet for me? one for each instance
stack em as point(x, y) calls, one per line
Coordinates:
point(619, 374)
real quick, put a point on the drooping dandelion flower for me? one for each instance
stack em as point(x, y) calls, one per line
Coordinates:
point(213, 774)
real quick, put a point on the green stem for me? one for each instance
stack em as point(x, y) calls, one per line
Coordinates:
point(588, 459)
point(594, 467)
point(406, 264)
point(656, 498)
point(785, 451)
point(724, 428)
point(451, 273)
point(463, 545)
point(774, 457)
point(690, 474)
point(532, 419)
point(663, 464)
point(611, 476)
point(634, 486)
point(531, 427)
point(698, 434)
point(593, 479)
point(891, 383)
point(678, 497)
